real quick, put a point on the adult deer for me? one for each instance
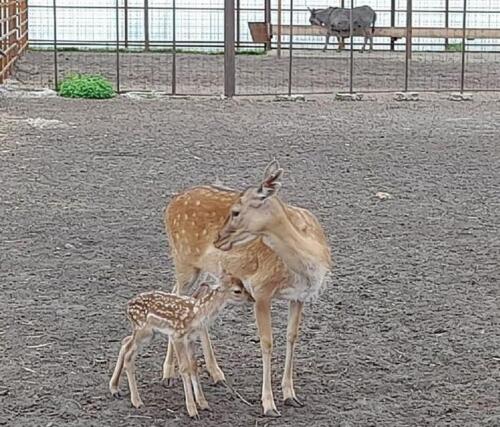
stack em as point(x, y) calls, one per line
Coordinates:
point(277, 250)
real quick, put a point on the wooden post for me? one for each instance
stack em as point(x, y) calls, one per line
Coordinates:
point(146, 25)
point(267, 20)
point(229, 52)
point(409, 21)
point(278, 42)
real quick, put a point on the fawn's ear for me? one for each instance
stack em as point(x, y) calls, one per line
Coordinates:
point(204, 287)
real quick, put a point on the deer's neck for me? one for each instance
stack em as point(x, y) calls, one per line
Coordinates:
point(303, 254)
point(209, 306)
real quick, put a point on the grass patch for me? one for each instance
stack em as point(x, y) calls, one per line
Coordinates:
point(454, 47)
point(86, 86)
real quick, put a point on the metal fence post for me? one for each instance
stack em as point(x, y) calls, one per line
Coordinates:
point(409, 21)
point(174, 50)
point(278, 41)
point(446, 20)
point(351, 53)
point(125, 21)
point(267, 20)
point(54, 16)
point(290, 51)
point(117, 21)
point(146, 25)
point(229, 52)
point(238, 19)
point(393, 22)
point(464, 30)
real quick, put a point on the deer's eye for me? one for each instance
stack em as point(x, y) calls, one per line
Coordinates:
point(237, 291)
point(235, 214)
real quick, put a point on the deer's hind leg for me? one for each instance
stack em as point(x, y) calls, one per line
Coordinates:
point(132, 347)
point(114, 383)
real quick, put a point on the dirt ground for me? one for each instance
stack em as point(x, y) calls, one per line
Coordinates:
point(313, 71)
point(407, 332)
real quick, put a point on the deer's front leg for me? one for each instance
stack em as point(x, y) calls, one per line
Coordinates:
point(263, 318)
point(208, 353)
point(294, 317)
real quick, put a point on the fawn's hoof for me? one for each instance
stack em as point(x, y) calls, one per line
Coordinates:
point(137, 403)
point(272, 413)
point(294, 402)
point(117, 394)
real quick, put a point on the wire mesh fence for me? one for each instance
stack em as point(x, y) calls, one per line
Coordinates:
point(179, 47)
point(13, 34)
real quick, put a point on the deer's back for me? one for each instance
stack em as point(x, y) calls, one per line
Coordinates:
point(192, 221)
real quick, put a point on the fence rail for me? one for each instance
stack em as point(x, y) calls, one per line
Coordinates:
point(13, 34)
point(211, 48)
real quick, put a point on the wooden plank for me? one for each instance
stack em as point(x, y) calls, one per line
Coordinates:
point(399, 32)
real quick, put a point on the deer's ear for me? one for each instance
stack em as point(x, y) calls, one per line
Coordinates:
point(271, 183)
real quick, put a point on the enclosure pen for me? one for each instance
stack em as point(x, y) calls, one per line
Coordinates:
point(240, 47)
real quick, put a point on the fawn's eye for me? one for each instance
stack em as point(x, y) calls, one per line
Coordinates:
point(237, 291)
point(235, 213)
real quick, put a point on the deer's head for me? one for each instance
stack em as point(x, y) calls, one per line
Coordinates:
point(254, 211)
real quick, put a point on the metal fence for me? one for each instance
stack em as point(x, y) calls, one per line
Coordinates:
point(13, 34)
point(260, 47)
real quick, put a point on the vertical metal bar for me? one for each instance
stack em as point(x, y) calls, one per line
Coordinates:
point(117, 22)
point(174, 50)
point(125, 19)
point(290, 51)
point(342, 4)
point(351, 56)
point(54, 16)
point(278, 46)
point(446, 20)
point(238, 17)
point(409, 21)
point(267, 20)
point(146, 25)
point(393, 22)
point(464, 30)
point(229, 52)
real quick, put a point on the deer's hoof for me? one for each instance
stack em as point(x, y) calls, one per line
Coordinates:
point(294, 402)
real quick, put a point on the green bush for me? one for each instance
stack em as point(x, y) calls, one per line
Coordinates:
point(86, 86)
point(454, 47)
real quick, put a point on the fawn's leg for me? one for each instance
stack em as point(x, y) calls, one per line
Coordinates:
point(263, 318)
point(183, 358)
point(195, 379)
point(138, 337)
point(294, 318)
point(114, 383)
point(185, 277)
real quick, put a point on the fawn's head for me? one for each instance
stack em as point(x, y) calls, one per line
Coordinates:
point(253, 212)
point(233, 288)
